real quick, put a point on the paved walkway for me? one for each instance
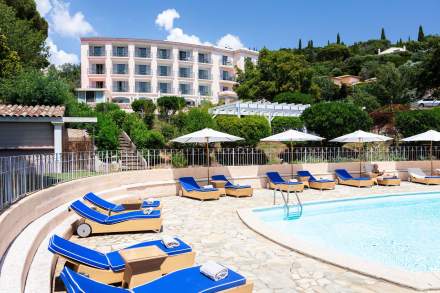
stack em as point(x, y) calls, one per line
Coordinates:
point(215, 231)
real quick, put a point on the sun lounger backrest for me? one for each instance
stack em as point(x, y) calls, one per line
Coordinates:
point(305, 173)
point(77, 283)
point(223, 178)
point(83, 210)
point(416, 172)
point(275, 177)
point(77, 253)
point(99, 201)
point(343, 174)
point(189, 183)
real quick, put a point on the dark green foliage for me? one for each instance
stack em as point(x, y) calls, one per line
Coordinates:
point(32, 87)
point(421, 34)
point(344, 91)
point(178, 160)
point(333, 119)
point(338, 39)
point(328, 91)
point(251, 128)
point(280, 124)
point(197, 119)
point(409, 123)
point(169, 105)
point(9, 60)
point(70, 73)
point(145, 108)
point(106, 107)
point(146, 139)
point(382, 34)
point(364, 100)
point(299, 44)
point(333, 52)
point(107, 133)
point(389, 86)
point(430, 74)
point(294, 98)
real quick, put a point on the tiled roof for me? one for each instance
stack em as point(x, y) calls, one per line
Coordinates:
point(31, 111)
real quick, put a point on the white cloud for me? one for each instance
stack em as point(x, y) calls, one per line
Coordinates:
point(166, 18)
point(230, 41)
point(59, 57)
point(43, 6)
point(68, 25)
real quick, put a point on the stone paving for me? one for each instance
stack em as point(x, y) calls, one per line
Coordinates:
point(215, 232)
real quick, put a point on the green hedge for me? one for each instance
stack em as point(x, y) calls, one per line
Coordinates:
point(409, 123)
point(280, 124)
point(251, 128)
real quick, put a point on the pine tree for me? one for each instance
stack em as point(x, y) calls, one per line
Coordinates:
point(338, 39)
point(328, 43)
point(299, 44)
point(382, 34)
point(311, 43)
point(421, 36)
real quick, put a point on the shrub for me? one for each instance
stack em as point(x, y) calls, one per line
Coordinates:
point(328, 91)
point(409, 123)
point(107, 134)
point(280, 124)
point(197, 119)
point(118, 117)
point(146, 139)
point(106, 107)
point(293, 98)
point(178, 160)
point(332, 119)
point(169, 105)
point(146, 109)
point(363, 99)
point(251, 128)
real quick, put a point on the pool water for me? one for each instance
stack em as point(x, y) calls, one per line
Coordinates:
point(401, 230)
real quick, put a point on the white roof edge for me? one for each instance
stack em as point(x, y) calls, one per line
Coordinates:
point(80, 119)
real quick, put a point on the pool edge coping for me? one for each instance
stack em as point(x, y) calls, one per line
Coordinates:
point(420, 281)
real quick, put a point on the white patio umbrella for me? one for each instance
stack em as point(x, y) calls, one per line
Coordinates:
point(206, 136)
point(362, 137)
point(291, 136)
point(430, 135)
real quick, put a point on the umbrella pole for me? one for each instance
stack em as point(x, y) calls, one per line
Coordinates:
point(430, 155)
point(291, 157)
point(361, 150)
point(207, 155)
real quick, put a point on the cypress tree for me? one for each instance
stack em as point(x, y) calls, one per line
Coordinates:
point(311, 43)
point(299, 44)
point(328, 43)
point(338, 39)
point(382, 34)
point(421, 35)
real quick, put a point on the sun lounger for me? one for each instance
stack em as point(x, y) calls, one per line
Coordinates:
point(103, 205)
point(317, 183)
point(109, 267)
point(234, 189)
point(277, 182)
point(94, 222)
point(189, 280)
point(345, 178)
point(418, 176)
point(190, 188)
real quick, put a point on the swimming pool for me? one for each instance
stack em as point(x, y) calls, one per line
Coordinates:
point(401, 231)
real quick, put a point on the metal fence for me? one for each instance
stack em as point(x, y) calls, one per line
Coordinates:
point(21, 175)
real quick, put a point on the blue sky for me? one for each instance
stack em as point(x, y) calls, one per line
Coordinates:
point(253, 24)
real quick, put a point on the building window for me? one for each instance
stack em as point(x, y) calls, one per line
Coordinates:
point(143, 69)
point(120, 68)
point(185, 89)
point(227, 76)
point(142, 52)
point(204, 58)
point(96, 51)
point(184, 55)
point(164, 53)
point(185, 72)
point(143, 87)
point(165, 87)
point(226, 61)
point(164, 70)
point(97, 69)
point(120, 86)
point(204, 90)
point(204, 74)
point(120, 51)
point(99, 84)
point(225, 89)
point(121, 100)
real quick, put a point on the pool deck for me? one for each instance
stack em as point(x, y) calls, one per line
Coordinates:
point(216, 232)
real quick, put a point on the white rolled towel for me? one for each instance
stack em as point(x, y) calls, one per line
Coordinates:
point(214, 271)
point(293, 180)
point(148, 211)
point(208, 186)
point(170, 242)
point(149, 200)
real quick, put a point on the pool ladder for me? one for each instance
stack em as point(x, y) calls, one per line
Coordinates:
point(288, 213)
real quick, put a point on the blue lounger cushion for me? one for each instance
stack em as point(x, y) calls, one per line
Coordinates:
point(432, 176)
point(312, 178)
point(190, 184)
point(111, 260)
point(276, 178)
point(83, 210)
point(153, 204)
point(102, 203)
point(228, 183)
point(188, 280)
point(344, 175)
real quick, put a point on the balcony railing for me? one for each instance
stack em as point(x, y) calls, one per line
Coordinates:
point(96, 71)
point(119, 53)
point(97, 53)
point(204, 76)
point(226, 63)
point(120, 89)
point(227, 78)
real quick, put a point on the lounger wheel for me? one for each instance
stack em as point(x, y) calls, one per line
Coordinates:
point(83, 230)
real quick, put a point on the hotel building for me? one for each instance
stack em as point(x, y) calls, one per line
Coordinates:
point(122, 70)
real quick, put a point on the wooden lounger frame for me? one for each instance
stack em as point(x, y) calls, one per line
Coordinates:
point(239, 192)
point(388, 181)
point(427, 181)
point(356, 183)
point(245, 288)
point(172, 263)
point(287, 187)
point(150, 224)
point(201, 195)
point(322, 185)
point(128, 207)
